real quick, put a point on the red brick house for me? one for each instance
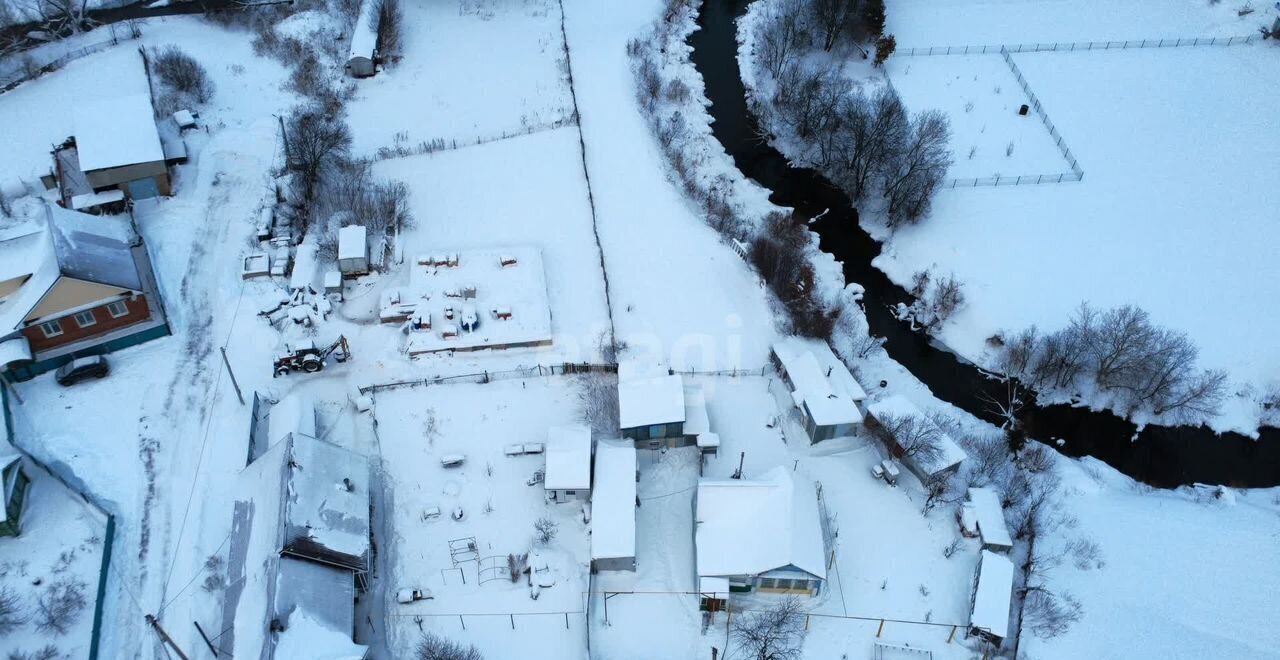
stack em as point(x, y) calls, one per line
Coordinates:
point(72, 284)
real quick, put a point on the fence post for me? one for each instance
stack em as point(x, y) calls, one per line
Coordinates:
point(566, 620)
point(513, 621)
point(880, 629)
point(462, 621)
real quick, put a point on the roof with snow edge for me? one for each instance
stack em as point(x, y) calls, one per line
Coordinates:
point(731, 540)
point(352, 242)
point(821, 380)
point(364, 37)
point(568, 458)
point(990, 517)
point(294, 414)
point(316, 605)
point(993, 594)
point(649, 394)
point(36, 252)
point(613, 501)
point(327, 509)
point(116, 131)
point(696, 420)
point(949, 453)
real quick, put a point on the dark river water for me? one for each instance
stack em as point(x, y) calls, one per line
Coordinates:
point(1160, 456)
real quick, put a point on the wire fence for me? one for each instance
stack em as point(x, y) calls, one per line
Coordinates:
point(1072, 46)
point(1076, 173)
point(28, 67)
point(491, 623)
point(548, 370)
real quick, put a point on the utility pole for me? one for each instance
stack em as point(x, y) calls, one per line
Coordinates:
point(165, 637)
point(227, 362)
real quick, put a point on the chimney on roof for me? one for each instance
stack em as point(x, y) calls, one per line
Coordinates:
point(350, 486)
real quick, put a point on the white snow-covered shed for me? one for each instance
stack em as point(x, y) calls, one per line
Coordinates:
point(761, 534)
point(948, 456)
point(361, 60)
point(821, 387)
point(987, 516)
point(353, 250)
point(651, 404)
point(992, 594)
point(567, 473)
point(613, 507)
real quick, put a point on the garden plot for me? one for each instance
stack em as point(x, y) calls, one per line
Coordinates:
point(470, 70)
point(1175, 213)
point(416, 429)
point(981, 97)
point(542, 203)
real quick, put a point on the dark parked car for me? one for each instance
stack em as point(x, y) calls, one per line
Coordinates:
point(94, 366)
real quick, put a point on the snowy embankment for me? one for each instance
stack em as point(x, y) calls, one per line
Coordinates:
point(1170, 214)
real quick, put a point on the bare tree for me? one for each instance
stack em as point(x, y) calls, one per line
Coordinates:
point(989, 460)
point(390, 29)
point(598, 394)
point(59, 607)
point(780, 36)
point(13, 611)
point(939, 489)
point(435, 647)
point(915, 171)
point(318, 145)
point(834, 18)
point(46, 652)
point(774, 634)
point(807, 101)
point(182, 74)
point(872, 16)
point(917, 436)
point(545, 530)
point(870, 130)
point(1049, 614)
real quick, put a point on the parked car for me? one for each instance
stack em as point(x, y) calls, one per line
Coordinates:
point(94, 366)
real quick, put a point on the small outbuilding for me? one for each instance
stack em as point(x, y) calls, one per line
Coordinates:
point(983, 516)
point(992, 594)
point(117, 145)
point(945, 456)
point(821, 386)
point(651, 405)
point(362, 59)
point(353, 250)
point(567, 473)
point(760, 534)
point(613, 507)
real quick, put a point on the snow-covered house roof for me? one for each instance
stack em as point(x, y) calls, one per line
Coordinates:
point(293, 492)
point(315, 604)
point(116, 131)
point(821, 381)
point(353, 242)
point(327, 509)
point(294, 414)
point(992, 594)
point(752, 526)
point(568, 457)
point(613, 501)
point(949, 452)
point(649, 394)
point(364, 37)
point(696, 420)
point(35, 253)
point(989, 517)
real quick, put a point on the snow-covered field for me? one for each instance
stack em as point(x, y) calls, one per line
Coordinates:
point(981, 97)
point(469, 70)
point(1173, 214)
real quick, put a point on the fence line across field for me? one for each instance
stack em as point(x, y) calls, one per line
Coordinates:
point(544, 371)
point(1073, 46)
point(35, 69)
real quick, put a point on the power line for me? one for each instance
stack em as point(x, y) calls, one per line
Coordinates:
point(196, 577)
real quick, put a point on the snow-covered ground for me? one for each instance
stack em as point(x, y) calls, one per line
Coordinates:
point(1173, 204)
point(1173, 214)
point(61, 544)
point(474, 599)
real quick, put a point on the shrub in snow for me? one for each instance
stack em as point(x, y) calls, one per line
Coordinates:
point(60, 606)
point(390, 29)
point(46, 652)
point(598, 394)
point(434, 647)
point(182, 74)
point(13, 611)
point(884, 48)
point(545, 530)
